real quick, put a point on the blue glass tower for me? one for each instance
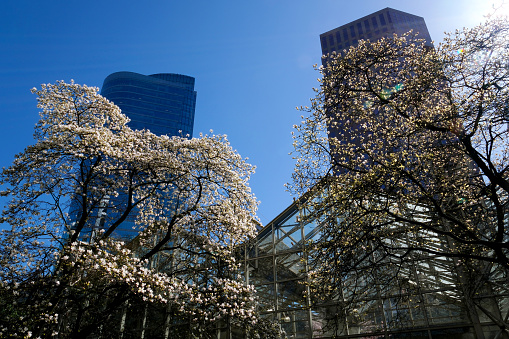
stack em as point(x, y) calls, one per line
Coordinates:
point(163, 103)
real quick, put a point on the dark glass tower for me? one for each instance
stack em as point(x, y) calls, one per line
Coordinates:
point(383, 23)
point(163, 103)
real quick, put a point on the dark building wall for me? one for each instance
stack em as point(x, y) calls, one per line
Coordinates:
point(383, 23)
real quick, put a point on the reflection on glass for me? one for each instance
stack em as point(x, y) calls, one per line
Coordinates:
point(260, 271)
point(291, 294)
point(289, 266)
point(266, 293)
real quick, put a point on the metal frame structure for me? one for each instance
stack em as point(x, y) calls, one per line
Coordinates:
point(428, 300)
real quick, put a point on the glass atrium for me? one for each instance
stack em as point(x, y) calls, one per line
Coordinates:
point(425, 301)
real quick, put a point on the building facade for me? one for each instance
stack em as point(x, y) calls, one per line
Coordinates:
point(163, 103)
point(381, 24)
point(426, 298)
point(373, 27)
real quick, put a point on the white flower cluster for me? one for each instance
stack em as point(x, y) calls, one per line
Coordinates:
point(89, 175)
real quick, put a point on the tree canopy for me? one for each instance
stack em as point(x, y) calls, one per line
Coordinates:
point(410, 145)
point(105, 219)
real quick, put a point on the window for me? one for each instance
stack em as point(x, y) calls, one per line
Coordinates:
point(359, 28)
point(366, 25)
point(375, 23)
point(338, 37)
point(324, 43)
point(352, 31)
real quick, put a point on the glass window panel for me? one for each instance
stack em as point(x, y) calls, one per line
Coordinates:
point(311, 231)
point(260, 271)
point(265, 243)
point(352, 31)
point(268, 316)
point(367, 317)
point(389, 17)
point(359, 28)
point(292, 219)
point(443, 309)
point(321, 316)
point(267, 300)
point(291, 294)
point(318, 321)
point(295, 324)
point(345, 35)
point(401, 313)
point(366, 24)
point(289, 266)
point(418, 316)
point(324, 42)
point(489, 304)
point(503, 302)
point(374, 22)
point(436, 272)
point(288, 237)
point(338, 37)
point(252, 250)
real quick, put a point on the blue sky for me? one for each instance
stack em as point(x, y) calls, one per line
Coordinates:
point(252, 60)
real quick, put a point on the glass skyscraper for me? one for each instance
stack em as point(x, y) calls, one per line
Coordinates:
point(163, 103)
point(381, 24)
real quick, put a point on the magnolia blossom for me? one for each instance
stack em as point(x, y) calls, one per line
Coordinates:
point(87, 176)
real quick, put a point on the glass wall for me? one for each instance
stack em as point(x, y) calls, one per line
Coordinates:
point(427, 300)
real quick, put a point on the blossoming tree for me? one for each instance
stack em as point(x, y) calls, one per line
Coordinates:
point(68, 264)
point(410, 144)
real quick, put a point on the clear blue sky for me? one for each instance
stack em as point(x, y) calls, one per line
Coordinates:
point(252, 61)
